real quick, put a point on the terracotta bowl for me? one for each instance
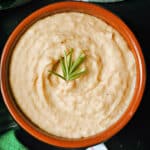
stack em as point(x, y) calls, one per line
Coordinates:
point(108, 17)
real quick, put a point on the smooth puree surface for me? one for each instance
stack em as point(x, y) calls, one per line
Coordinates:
point(82, 107)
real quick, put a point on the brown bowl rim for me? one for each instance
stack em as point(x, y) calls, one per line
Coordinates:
point(111, 19)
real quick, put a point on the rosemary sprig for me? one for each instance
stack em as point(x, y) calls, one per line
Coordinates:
point(70, 68)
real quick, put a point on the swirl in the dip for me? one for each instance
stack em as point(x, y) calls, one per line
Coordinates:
point(82, 107)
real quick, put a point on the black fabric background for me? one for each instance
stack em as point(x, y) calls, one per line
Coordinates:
point(136, 14)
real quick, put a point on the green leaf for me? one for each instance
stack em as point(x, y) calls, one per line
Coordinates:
point(57, 74)
point(66, 65)
point(63, 67)
point(77, 74)
point(69, 59)
point(78, 62)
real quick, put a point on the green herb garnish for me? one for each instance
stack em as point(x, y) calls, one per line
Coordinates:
point(70, 68)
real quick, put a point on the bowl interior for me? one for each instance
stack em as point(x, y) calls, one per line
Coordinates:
point(93, 10)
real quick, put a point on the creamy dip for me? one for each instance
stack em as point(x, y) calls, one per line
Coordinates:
point(82, 107)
